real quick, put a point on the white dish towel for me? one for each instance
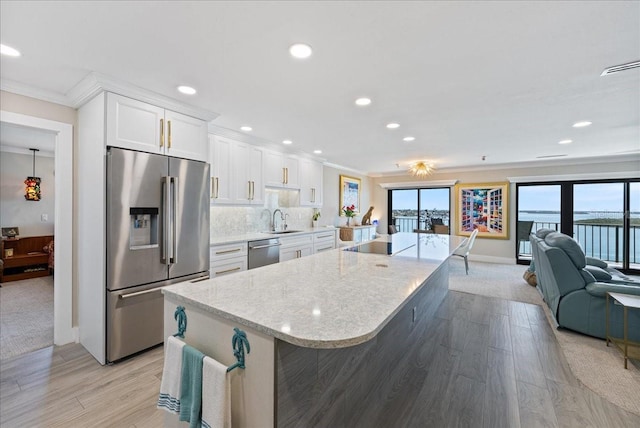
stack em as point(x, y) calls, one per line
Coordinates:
point(169, 398)
point(216, 395)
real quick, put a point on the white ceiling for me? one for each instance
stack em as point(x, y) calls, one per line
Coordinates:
point(19, 139)
point(505, 80)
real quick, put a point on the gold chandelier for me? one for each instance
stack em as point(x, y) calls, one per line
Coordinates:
point(421, 169)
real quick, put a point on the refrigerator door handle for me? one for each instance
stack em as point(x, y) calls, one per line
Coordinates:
point(174, 219)
point(166, 196)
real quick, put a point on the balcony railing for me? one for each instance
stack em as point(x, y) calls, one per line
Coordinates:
point(603, 241)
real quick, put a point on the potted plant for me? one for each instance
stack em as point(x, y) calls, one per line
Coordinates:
point(316, 216)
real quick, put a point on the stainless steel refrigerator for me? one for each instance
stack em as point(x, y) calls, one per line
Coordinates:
point(157, 234)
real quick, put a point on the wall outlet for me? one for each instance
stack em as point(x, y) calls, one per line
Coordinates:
point(44, 217)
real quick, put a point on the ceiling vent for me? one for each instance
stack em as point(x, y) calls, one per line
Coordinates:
point(621, 67)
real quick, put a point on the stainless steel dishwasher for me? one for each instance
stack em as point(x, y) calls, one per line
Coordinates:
point(263, 252)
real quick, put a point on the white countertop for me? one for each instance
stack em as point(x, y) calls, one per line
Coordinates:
point(331, 299)
point(219, 240)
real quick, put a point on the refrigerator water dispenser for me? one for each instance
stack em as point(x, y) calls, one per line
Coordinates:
point(143, 228)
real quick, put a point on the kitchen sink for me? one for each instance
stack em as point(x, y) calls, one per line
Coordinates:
point(280, 232)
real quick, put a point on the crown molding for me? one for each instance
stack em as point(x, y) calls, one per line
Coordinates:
point(346, 168)
point(414, 184)
point(37, 93)
point(94, 83)
point(575, 177)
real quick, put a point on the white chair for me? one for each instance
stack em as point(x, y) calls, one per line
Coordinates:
point(464, 248)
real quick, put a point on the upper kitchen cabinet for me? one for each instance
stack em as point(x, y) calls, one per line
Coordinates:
point(311, 175)
point(281, 170)
point(141, 126)
point(248, 174)
point(236, 172)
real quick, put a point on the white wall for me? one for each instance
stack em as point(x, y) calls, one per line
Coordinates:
point(15, 210)
point(330, 213)
point(501, 250)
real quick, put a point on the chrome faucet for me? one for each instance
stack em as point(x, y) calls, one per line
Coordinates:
point(273, 220)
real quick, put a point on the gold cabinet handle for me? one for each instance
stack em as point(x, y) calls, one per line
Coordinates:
point(213, 187)
point(228, 270)
point(253, 190)
point(161, 132)
point(169, 129)
point(286, 176)
point(217, 187)
point(249, 190)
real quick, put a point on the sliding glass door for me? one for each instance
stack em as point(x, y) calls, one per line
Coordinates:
point(602, 216)
point(420, 209)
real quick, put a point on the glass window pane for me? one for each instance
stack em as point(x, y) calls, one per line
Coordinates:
point(434, 208)
point(404, 209)
point(597, 220)
point(540, 205)
point(634, 232)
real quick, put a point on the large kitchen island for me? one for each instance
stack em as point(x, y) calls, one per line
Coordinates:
point(331, 335)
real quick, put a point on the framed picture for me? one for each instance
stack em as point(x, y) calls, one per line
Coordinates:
point(349, 193)
point(10, 232)
point(485, 207)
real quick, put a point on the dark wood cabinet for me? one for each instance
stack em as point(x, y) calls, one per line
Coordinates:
point(28, 258)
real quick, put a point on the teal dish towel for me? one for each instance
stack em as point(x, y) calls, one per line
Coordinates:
point(191, 386)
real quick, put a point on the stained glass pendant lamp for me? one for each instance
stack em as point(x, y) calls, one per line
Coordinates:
point(32, 189)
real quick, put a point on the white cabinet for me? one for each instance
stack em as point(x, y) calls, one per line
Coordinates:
point(311, 175)
point(247, 161)
point(236, 172)
point(294, 247)
point(281, 170)
point(136, 125)
point(325, 240)
point(227, 258)
point(221, 151)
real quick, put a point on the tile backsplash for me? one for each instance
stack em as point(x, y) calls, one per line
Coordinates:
point(238, 220)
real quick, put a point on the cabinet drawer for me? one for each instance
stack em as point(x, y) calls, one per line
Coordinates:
point(226, 251)
point(297, 240)
point(227, 266)
point(324, 246)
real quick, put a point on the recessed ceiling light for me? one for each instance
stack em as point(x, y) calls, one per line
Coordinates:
point(393, 125)
point(300, 50)
point(581, 124)
point(9, 51)
point(246, 128)
point(187, 90)
point(287, 142)
point(363, 101)
point(408, 138)
point(565, 142)
point(317, 152)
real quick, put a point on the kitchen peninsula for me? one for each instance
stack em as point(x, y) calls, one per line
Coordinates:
point(330, 334)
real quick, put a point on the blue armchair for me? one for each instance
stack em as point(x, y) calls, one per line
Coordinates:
point(574, 296)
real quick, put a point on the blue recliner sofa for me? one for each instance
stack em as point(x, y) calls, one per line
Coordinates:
point(576, 299)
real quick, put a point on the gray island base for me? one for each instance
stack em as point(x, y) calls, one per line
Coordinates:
point(332, 335)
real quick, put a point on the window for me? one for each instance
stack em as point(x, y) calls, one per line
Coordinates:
point(593, 212)
point(420, 209)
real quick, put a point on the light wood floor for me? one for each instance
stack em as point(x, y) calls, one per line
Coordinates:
point(491, 363)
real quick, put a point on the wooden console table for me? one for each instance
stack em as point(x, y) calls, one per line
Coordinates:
point(28, 259)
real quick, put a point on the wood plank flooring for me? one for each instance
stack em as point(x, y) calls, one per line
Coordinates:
point(484, 362)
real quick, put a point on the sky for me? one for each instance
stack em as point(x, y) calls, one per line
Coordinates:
point(587, 197)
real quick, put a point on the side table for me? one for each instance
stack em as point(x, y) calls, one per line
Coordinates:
point(626, 301)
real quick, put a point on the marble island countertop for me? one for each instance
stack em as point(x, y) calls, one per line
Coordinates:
point(332, 299)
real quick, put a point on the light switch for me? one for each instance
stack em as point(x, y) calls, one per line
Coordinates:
point(44, 217)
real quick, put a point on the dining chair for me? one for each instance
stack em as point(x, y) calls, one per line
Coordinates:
point(464, 248)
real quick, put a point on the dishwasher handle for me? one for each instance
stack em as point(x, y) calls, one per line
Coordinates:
point(257, 247)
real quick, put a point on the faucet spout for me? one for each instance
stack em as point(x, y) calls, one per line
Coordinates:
point(273, 219)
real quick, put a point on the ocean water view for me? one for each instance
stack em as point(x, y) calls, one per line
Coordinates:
point(599, 233)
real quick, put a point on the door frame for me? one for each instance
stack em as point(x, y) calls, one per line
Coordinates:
point(63, 330)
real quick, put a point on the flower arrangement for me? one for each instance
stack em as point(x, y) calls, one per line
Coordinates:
point(349, 211)
point(316, 215)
